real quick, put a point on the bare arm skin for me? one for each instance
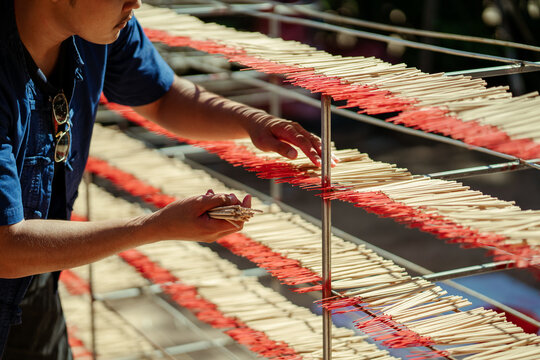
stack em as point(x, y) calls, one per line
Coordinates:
point(37, 246)
point(193, 112)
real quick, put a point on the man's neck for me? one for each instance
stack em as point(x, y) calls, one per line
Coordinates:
point(40, 32)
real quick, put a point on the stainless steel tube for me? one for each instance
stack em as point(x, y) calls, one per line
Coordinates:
point(326, 115)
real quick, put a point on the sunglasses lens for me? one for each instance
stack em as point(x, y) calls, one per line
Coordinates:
point(60, 108)
point(62, 146)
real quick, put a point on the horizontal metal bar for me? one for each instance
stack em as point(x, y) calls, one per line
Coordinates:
point(156, 290)
point(386, 39)
point(219, 9)
point(224, 75)
point(381, 123)
point(167, 352)
point(348, 237)
point(474, 73)
point(470, 270)
point(184, 320)
point(401, 30)
point(493, 302)
point(496, 70)
point(198, 346)
point(373, 315)
point(245, 77)
point(372, 120)
point(482, 170)
point(278, 7)
point(155, 345)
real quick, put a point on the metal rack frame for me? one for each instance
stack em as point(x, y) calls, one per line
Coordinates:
point(516, 66)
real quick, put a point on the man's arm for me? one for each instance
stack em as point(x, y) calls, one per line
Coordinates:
point(193, 112)
point(37, 246)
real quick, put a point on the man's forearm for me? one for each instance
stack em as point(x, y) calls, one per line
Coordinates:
point(192, 112)
point(196, 113)
point(38, 246)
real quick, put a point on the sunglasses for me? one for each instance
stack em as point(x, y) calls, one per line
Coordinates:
point(60, 111)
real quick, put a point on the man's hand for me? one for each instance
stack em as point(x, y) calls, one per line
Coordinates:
point(269, 133)
point(193, 112)
point(188, 219)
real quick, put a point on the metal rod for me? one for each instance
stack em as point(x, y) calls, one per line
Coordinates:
point(306, 10)
point(470, 270)
point(173, 310)
point(292, 94)
point(386, 39)
point(403, 30)
point(451, 274)
point(156, 346)
point(274, 30)
point(493, 302)
point(209, 10)
point(155, 289)
point(348, 237)
point(88, 179)
point(373, 315)
point(381, 123)
point(326, 223)
point(495, 71)
point(482, 170)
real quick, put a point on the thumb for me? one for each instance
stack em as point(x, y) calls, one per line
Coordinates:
point(247, 201)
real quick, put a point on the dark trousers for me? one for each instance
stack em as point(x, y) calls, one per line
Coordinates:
point(42, 334)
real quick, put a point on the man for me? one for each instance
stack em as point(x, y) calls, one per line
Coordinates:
point(57, 57)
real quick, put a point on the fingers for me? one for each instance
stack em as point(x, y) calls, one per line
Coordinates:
point(293, 133)
point(227, 226)
point(271, 142)
point(211, 200)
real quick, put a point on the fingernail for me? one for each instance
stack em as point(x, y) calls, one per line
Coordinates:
point(247, 201)
point(291, 154)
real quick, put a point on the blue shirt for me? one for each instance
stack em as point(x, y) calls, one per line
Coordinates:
point(128, 71)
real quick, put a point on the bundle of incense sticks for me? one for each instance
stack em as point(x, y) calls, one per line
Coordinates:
point(457, 106)
point(289, 248)
point(233, 213)
point(445, 208)
point(217, 292)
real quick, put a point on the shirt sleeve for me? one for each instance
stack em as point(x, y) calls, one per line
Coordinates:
point(136, 74)
point(11, 209)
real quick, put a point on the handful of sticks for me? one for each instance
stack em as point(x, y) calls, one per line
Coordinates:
point(233, 213)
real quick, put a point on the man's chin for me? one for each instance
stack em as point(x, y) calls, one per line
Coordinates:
point(104, 40)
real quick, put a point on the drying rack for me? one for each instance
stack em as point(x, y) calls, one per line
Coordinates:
point(275, 13)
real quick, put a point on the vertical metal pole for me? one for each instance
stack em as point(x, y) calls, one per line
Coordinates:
point(274, 31)
point(88, 178)
point(326, 224)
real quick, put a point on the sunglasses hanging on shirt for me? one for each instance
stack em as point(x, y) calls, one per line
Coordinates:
point(60, 110)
